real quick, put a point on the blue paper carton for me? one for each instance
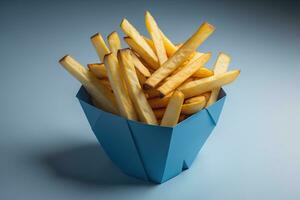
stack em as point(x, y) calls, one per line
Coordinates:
point(149, 152)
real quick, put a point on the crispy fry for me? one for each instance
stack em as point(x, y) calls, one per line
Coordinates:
point(191, 108)
point(220, 67)
point(160, 102)
point(105, 83)
point(159, 113)
point(149, 42)
point(206, 95)
point(151, 93)
point(101, 95)
point(140, 66)
point(181, 55)
point(138, 44)
point(203, 73)
point(141, 77)
point(98, 69)
point(114, 42)
point(100, 45)
point(136, 93)
point(139, 50)
point(173, 110)
point(123, 100)
point(169, 46)
point(153, 30)
point(183, 74)
point(200, 86)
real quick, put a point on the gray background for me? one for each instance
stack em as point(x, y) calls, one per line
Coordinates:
point(48, 151)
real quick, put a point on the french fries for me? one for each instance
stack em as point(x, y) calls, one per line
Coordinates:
point(136, 93)
point(98, 69)
point(220, 67)
point(100, 46)
point(172, 113)
point(137, 42)
point(156, 38)
point(153, 81)
point(123, 100)
point(183, 53)
point(99, 93)
point(191, 108)
point(186, 72)
point(197, 87)
point(114, 42)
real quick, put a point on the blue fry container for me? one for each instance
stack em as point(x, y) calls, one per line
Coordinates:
point(149, 152)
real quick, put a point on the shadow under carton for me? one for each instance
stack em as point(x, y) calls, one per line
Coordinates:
point(149, 152)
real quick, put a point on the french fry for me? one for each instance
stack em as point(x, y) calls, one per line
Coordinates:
point(182, 117)
point(98, 69)
point(186, 72)
point(200, 86)
point(140, 66)
point(220, 67)
point(135, 90)
point(191, 108)
point(141, 77)
point(160, 102)
point(123, 100)
point(141, 51)
point(149, 42)
point(203, 73)
point(172, 113)
point(100, 46)
point(181, 55)
point(169, 46)
point(98, 92)
point(206, 95)
point(114, 42)
point(105, 83)
point(138, 44)
point(153, 30)
point(151, 93)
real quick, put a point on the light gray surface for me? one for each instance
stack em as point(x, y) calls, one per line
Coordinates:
point(48, 151)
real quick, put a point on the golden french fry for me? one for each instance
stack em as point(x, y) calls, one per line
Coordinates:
point(220, 67)
point(186, 72)
point(191, 108)
point(206, 95)
point(169, 46)
point(114, 42)
point(203, 73)
point(100, 94)
point(173, 110)
point(123, 100)
point(160, 102)
point(181, 55)
point(141, 77)
point(200, 86)
point(135, 90)
point(138, 44)
point(151, 93)
point(153, 30)
point(140, 66)
point(100, 45)
point(106, 83)
point(98, 69)
point(149, 42)
point(141, 52)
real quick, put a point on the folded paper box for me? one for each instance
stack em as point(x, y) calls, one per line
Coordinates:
point(149, 152)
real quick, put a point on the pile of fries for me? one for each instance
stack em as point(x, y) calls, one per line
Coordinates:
point(152, 81)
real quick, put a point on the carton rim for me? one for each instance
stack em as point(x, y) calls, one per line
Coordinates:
point(142, 123)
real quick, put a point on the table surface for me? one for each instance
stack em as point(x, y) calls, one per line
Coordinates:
point(48, 150)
